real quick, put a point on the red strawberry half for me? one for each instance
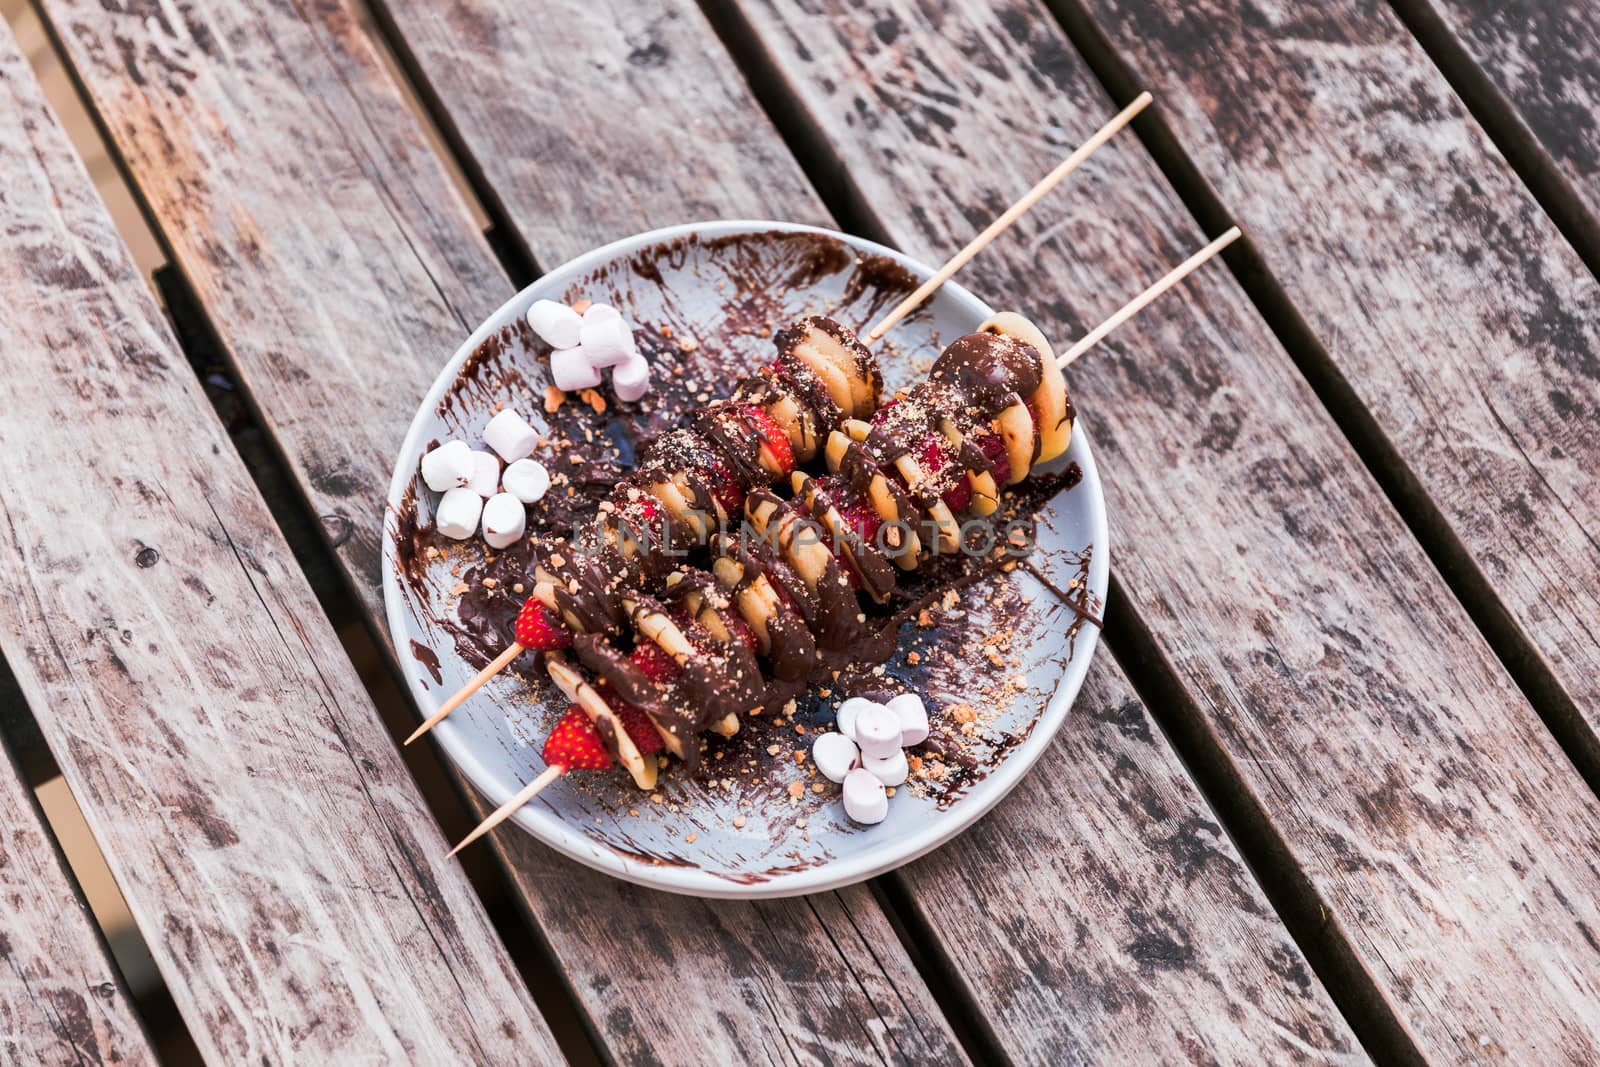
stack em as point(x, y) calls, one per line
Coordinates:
point(994, 450)
point(772, 436)
point(575, 745)
point(653, 660)
point(640, 730)
point(539, 630)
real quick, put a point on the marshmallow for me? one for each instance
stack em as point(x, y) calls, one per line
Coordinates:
point(504, 520)
point(606, 340)
point(457, 513)
point(510, 435)
point(877, 731)
point(556, 324)
point(865, 799)
point(571, 369)
point(891, 770)
point(527, 480)
point(913, 718)
point(846, 715)
point(448, 467)
point(631, 380)
point(834, 755)
point(485, 479)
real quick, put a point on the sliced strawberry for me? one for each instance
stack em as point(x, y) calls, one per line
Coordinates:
point(994, 450)
point(1033, 413)
point(653, 660)
point(861, 518)
point(772, 436)
point(640, 729)
point(958, 496)
point(575, 745)
point(883, 410)
point(930, 454)
point(538, 628)
point(726, 488)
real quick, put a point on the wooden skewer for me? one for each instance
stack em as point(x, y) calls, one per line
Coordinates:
point(1011, 215)
point(901, 310)
point(500, 663)
point(1121, 315)
point(509, 808)
point(1134, 306)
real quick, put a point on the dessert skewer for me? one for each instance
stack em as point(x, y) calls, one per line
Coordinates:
point(895, 315)
point(980, 372)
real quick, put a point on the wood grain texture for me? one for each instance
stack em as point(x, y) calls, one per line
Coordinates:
point(1544, 55)
point(1101, 914)
point(348, 268)
point(286, 874)
point(1439, 826)
point(61, 998)
point(1254, 994)
point(596, 120)
point(1440, 289)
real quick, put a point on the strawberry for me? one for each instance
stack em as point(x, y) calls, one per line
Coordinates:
point(958, 496)
point(653, 660)
point(1033, 413)
point(726, 488)
point(640, 729)
point(861, 518)
point(930, 457)
point(994, 450)
point(538, 628)
point(575, 745)
point(772, 436)
point(883, 410)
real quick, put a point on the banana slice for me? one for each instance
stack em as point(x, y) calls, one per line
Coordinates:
point(985, 494)
point(846, 359)
point(797, 424)
point(581, 693)
point(804, 550)
point(1050, 399)
point(1015, 427)
point(757, 602)
point(681, 507)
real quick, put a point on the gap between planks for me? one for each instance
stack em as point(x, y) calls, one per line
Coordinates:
point(1439, 542)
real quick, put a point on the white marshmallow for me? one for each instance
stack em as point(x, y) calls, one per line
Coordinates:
point(571, 370)
point(527, 480)
point(504, 520)
point(601, 313)
point(457, 514)
point(865, 799)
point(510, 435)
point(891, 770)
point(913, 716)
point(631, 380)
point(846, 715)
point(447, 467)
point(485, 479)
point(834, 754)
point(877, 731)
point(606, 341)
point(556, 324)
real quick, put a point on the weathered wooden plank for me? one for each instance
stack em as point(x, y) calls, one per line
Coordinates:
point(1334, 676)
point(1440, 289)
point(61, 999)
point(600, 119)
point(1544, 55)
point(348, 268)
point(288, 877)
point(507, 146)
point(1101, 915)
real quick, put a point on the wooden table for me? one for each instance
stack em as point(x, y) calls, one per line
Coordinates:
point(1330, 793)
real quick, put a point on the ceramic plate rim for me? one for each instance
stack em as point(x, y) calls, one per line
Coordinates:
point(540, 821)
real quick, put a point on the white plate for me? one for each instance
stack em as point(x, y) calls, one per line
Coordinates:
point(769, 272)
